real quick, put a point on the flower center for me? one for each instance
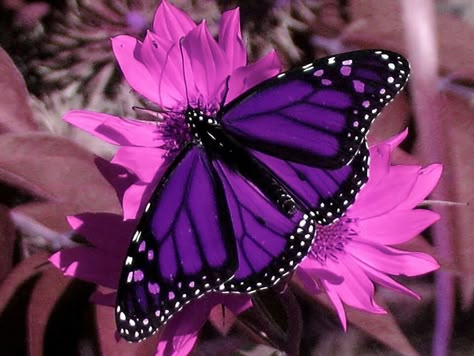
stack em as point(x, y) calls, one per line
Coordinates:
point(174, 132)
point(178, 128)
point(330, 240)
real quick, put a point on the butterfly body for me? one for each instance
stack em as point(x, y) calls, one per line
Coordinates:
point(210, 134)
point(238, 208)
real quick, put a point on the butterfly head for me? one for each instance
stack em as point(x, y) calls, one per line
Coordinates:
point(198, 123)
point(178, 128)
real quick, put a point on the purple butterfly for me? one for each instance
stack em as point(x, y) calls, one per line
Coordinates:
point(239, 207)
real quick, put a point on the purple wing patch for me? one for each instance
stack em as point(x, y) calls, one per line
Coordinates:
point(269, 244)
point(326, 192)
point(318, 114)
point(183, 247)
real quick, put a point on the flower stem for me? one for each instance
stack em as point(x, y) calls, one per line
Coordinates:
point(420, 27)
point(253, 334)
point(267, 322)
point(295, 322)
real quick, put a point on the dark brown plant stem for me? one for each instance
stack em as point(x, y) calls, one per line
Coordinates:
point(252, 333)
point(420, 27)
point(295, 322)
point(267, 321)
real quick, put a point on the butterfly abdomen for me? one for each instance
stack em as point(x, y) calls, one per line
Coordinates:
point(283, 199)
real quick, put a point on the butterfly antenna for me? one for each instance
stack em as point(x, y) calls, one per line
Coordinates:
point(184, 72)
point(154, 111)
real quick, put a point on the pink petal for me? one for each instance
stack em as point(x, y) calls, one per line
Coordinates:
point(247, 77)
point(384, 280)
point(392, 190)
point(426, 182)
point(208, 63)
point(235, 303)
point(230, 39)
point(178, 344)
point(89, 264)
point(171, 23)
point(309, 283)
point(390, 260)
point(115, 130)
point(118, 176)
point(135, 199)
point(379, 165)
point(397, 226)
point(396, 140)
point(105, 231)
point(335, 289)
point(357, 290)
point(164, 61)
point(179, 335)
point(310, 277)
point(145, 163)
point(380, 156)
point(337, 302)
point(309, 263)
point(138, 160)
point(318, 270)
point(127, 52)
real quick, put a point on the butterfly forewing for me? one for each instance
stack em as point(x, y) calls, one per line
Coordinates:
point(317, 114)
point(183, 247)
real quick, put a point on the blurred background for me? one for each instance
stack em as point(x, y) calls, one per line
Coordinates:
point(56, 56)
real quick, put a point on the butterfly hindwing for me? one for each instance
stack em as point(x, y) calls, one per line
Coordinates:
point(269, 243)
point(183, 247)
point(317, 114)
point(326, 192)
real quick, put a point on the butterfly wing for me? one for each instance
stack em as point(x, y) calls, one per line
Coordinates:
point(183, 247)
point(317, 114)
point(326, 192)
point(310, 133)
point(269, 243)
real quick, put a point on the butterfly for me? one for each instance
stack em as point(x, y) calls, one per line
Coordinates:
point(239, 206)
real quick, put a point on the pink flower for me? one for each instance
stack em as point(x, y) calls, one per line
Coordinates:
point(101, 263)
point(178, 63)
point(355, 252)
point(156, 70)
